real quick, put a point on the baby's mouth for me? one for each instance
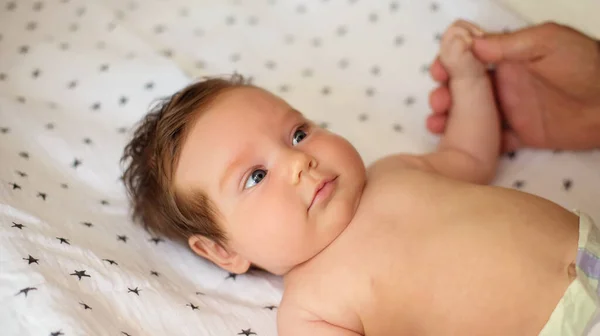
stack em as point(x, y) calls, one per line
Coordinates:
point(323, 190)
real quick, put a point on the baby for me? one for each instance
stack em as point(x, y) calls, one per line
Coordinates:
point(411, 245)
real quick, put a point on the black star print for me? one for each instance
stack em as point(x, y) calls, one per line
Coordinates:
point(76, 163)
point(135, 290)
point(192, 306)
point(31, 260)
point(123, 238)
point(325, 91)
point(159, 29)
point(518, 184)
point(24, 49)
point(50, 126)
point(247, 332)
point(36, 73)
point(11, 6)
point(375, 70)
point(270, 307)
point(397, 128)
point(42, 195)
point(324, 125)
point(64, 46)
point(270, 65)
point(434, 7)
point(2, 76)
point(63, 240)
point(567, 183)
point(85, 306)
point(88, 224)
point(399, 40)
point(103, 67)
point(22, 174)
point(122, 129)
point(149, 86)
point(409, 100)
point(155, 273)
point(72, 84)
point(18, 226)
point(15, 186)
point(96, 106)
point(232, 276)
point(87, 141)
point(112, 262)
point(64, 185)
point(111, 26)
point(104, 202)
point(21, 100)
point(156, 240)
point(37, 6)
point(511, 155)
point(4, 130)
point(80, 274)
point(200, 293)
point(24, 155)
point(370, 92)
point(167, 53)
point(123, 100)
point(26, 290)
point(56, 333)
point(31, 26)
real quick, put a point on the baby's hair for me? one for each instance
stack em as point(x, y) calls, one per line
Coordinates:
point(151, 157)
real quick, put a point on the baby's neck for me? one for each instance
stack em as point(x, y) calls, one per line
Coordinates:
point(310, 264)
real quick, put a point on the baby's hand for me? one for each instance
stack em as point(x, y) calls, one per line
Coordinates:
point(456, 54)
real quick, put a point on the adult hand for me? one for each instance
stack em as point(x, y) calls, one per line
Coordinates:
point(547, 83)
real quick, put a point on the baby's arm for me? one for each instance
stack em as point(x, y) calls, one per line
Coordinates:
point(470, 147)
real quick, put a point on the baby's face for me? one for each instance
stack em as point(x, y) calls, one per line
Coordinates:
point(262, 163)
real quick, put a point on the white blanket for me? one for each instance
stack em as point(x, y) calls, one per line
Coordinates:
point(75, 75)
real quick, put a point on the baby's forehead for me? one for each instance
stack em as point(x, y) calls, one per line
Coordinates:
point(250, 104)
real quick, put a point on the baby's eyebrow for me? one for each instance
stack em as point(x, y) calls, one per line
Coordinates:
point(296, 112)
point(231, 166)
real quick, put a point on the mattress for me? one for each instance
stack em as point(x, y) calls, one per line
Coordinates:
point(76, 75)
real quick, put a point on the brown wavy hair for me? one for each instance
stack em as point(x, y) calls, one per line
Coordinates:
point(152, 155)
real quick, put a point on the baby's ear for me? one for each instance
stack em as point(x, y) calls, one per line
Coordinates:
point(225, 258)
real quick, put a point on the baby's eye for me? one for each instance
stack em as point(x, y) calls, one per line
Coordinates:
point(255, 178)
point(298, 136)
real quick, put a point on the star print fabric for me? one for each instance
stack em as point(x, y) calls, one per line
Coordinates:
point(75, 76)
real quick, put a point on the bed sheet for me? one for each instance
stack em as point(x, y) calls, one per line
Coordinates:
point(75, 75)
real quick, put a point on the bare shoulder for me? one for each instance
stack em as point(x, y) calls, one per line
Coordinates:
point(400, 164)
point(295, 320)
point(401, 161)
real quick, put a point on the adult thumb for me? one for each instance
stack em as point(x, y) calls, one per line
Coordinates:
point(523, 45)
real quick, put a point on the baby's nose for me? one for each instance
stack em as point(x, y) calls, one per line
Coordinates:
point(302, 164)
